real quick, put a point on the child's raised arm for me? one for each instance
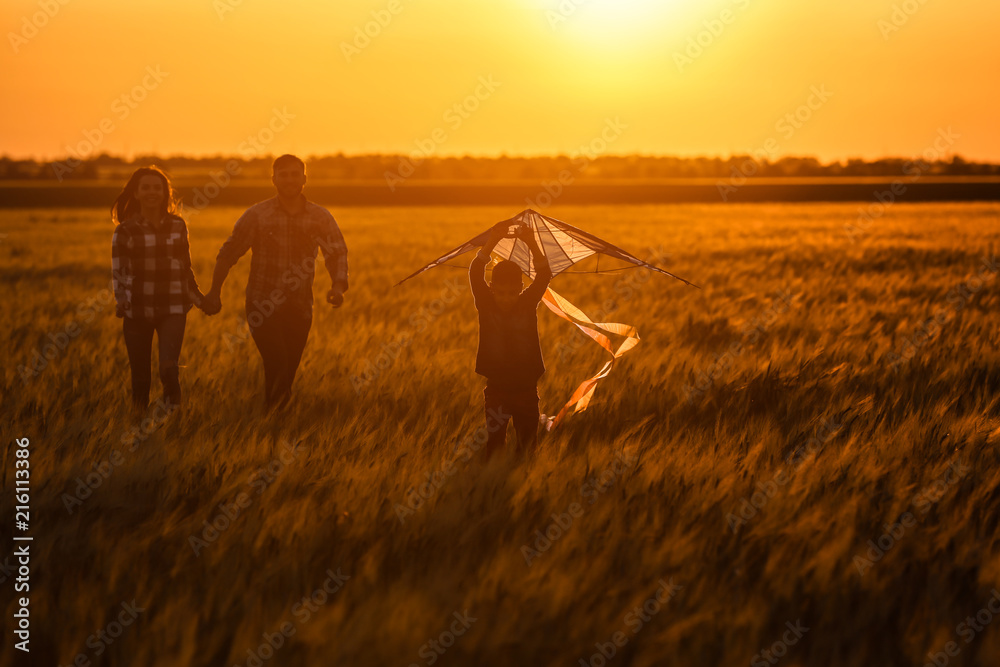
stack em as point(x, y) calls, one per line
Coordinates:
point(477, 270)
point(543, 272)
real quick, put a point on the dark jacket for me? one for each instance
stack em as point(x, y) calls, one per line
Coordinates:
point(509, 353)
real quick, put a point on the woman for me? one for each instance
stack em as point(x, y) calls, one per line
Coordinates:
point(154, 284)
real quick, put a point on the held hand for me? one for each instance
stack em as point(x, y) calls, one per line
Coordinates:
point(197, 298)
point(335, 298)
point(499, 231)
point(524, 233)
point(211, 304)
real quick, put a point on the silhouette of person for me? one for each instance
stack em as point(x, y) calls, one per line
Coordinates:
point(284, 233)
point(153, 282)
point(509, 355)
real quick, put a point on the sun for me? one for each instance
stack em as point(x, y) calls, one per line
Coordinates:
point(611, 20)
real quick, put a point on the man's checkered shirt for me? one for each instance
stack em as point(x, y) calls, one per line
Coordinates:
point(283, 261)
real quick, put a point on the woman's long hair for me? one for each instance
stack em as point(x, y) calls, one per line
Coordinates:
point(126, 205)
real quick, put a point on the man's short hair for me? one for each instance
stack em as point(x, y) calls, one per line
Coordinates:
point(287, 160)
point(507, 272)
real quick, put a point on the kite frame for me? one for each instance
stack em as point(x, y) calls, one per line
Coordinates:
point(599, 246)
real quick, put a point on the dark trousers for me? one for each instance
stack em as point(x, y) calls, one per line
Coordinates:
point(169, 331)
point(280, 338)
point(504, 403)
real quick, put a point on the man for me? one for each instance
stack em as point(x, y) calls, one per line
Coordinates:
point(284, 233)
point(509, 355)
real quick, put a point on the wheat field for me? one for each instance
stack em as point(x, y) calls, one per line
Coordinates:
point(797, 465)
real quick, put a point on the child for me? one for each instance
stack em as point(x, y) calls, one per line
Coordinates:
point(509, 355)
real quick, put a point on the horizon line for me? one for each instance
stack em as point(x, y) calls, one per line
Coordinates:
point(495, 156)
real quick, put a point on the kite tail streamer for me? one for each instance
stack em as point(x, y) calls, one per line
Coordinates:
point(580, 399)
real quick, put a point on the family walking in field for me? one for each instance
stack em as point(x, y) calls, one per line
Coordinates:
point(155, 287)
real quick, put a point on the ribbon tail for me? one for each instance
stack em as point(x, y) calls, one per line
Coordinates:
point(598, 331)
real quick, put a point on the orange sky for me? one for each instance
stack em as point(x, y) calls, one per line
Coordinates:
point(291, 75)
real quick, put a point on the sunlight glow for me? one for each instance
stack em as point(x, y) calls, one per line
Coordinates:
point(683, 77)
point(614, 22)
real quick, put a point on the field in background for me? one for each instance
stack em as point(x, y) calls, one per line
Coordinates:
point(218, 191)
point(836, 381)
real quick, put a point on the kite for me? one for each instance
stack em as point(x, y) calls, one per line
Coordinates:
point(563, 246)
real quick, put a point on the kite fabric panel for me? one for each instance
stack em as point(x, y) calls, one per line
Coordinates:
point(563, 246)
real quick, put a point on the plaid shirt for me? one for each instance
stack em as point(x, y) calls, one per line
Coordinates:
point(283, 261)
point(151, 268)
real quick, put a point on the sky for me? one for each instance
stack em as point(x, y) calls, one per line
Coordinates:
point(833, 79)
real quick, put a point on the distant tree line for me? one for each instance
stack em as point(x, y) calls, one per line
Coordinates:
point(376, 167)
